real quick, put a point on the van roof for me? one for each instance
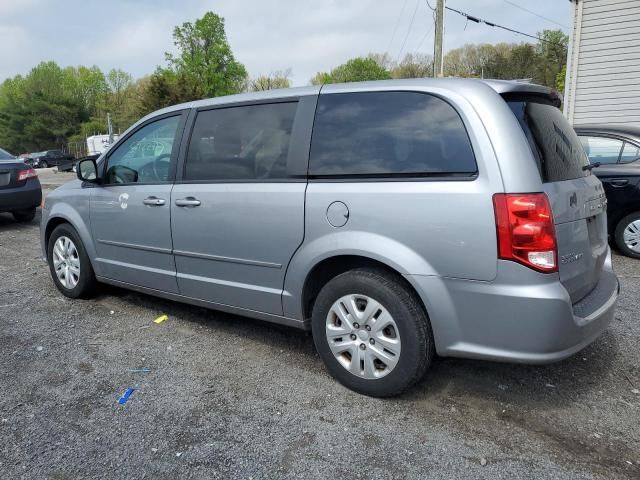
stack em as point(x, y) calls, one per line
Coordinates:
point(450, 83)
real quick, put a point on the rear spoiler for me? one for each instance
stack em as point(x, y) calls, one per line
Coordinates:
point(551, 97)
point(510, 89)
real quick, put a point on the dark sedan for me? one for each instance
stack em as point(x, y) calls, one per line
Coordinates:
point(20, 191)
point(617, 151)
point(56, 158)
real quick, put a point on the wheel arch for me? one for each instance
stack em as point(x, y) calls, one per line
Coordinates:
point(330, 267)
point(353, 248)
point(73, 219)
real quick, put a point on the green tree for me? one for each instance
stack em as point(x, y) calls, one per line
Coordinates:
point(278, 79)
point(42, 109)
point(204, 67)
point(321, 78)
point(84, 84)
point(560, 79)
point(518, 61)
point(164, 88)
point(355, 70)
point(413, 66)
point(118, 82)
point(552, 56)
point(205, 57)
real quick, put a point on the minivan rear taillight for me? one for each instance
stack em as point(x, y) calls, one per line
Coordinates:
point(524, 224)
point(24, 174)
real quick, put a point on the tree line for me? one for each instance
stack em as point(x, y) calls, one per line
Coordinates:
point(53, 106)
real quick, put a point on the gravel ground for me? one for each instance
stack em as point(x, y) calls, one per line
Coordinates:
point(51, 177)
point(229, 397)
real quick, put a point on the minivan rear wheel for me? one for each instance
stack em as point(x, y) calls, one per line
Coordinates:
point(371, 332)
point(627, 235)
point(69, 264)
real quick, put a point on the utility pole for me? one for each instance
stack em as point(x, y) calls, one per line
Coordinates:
point(438, 63)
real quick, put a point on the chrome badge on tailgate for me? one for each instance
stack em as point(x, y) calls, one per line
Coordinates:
point(570, 258)
point(596, 206)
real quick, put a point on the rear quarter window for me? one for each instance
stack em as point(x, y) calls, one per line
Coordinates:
point(555, 145)
point(4, 155)
point(388, 134)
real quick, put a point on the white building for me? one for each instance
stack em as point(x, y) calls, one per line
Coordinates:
point(603, 69)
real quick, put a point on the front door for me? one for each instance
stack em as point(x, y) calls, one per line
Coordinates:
point(238, 214)
point(130, 211)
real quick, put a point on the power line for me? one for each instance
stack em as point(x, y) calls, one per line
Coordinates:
point(433, 23)
point(408, 30)
point(396, 26)
point(534, 13)
point(475, 19)
point(426, 34)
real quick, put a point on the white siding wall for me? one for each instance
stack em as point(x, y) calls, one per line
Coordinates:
point(603, 70)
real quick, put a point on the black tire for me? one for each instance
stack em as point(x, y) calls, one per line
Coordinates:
point(413, 325)
point(619, 234)
point(87, 281)
point(24, 215)
point(44, 164)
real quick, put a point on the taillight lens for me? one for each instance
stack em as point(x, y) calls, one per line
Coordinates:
point(524, 224)
point(24, 174)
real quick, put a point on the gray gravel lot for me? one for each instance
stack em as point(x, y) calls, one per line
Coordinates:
point(229, 397)
point(51, 177)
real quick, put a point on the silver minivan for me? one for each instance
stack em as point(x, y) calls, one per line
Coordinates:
point(395, 220)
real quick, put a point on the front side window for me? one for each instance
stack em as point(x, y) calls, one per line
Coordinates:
point(601, 149)
point(145, 156)
point(241, 143)
point(388, 133)
point(630, 153)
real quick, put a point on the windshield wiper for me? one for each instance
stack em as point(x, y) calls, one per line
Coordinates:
point(591, 166)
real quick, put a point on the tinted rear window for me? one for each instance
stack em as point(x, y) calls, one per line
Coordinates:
point(241, 143)
point(555, 145)
point(388, 133)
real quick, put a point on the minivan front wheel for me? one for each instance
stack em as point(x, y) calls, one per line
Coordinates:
point(627, 235)
point(371, 332)
point(69, 264)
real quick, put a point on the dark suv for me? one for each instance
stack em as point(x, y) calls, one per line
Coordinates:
point(617, 151)
point(56, 158)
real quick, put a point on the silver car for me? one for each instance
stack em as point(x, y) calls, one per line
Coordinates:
point(395, 220)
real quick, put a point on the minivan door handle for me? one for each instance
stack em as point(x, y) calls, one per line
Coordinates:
point(188, 202)
point(153, 201)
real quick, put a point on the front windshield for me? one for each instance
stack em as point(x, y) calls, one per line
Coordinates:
point(4, 155)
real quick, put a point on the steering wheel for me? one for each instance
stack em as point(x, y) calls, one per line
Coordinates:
point(165, 159)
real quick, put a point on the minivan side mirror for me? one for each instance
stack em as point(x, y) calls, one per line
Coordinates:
point(87, 170)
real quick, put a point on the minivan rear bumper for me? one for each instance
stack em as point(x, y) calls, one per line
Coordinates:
point(522, 316)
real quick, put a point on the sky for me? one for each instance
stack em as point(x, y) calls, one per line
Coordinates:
point(265, 35)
